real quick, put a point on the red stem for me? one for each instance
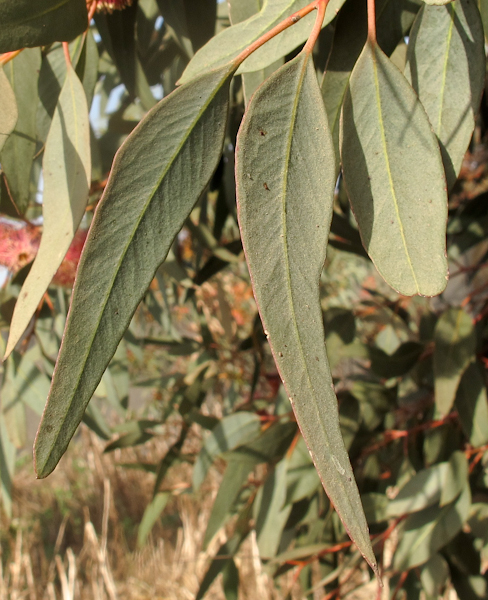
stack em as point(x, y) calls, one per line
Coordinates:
point(372, 21)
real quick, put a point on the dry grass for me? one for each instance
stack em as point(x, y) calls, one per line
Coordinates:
point(73, 536)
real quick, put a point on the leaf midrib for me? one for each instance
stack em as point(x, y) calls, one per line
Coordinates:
point(450, 8)
point(387, 164)
point(287, 263)
point(143, 212)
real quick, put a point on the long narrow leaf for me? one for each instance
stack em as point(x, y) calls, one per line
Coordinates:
point(8, 109)
point(285, 182)
point(67, 176)
point(157, 177)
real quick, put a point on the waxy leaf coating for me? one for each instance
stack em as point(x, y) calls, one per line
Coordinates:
point(157, 177)
point(394, 176)
point(285, 171)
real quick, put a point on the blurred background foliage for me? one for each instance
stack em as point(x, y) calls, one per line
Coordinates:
point(190, 455)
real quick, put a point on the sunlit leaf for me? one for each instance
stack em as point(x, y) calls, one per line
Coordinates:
point(148, 198)
point(26, 24)
point(394, 176)
point(285, 180)
point(446, 67)
point(429, 530)
point(233, 40)
point(455, 346)
point(151, 515)
point(67, 176)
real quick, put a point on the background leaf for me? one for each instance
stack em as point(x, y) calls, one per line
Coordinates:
point(8, 109)
point(67, 176)
point(394, 177)
point(184, 132)
point(18, 150)
point(455, 346)
point(446, 67)
point(285, 175)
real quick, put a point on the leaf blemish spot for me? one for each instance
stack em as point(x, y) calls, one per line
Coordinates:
point(265, 186)
point(280, 354)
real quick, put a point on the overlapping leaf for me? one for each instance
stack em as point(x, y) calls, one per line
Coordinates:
point(26, 24)
point(455, 345)
point(157, 177)
point(18, 150)
point(8, 109)
point(393, 172)
point(446, 67)
point(67, 176)
point(233, 40)
point(285, 175)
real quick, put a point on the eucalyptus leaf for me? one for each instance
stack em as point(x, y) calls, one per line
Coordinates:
point(232, 41)
point(285, 180)
point(67, 176)
point(147, 199)
point(8, 109)
point(18, 150)
point(394, 176)
point(472, 405)
point(26, 24)
point(446, 67)
point(455, 346)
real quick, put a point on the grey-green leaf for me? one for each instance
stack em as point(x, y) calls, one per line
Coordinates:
point(285, 175)
point(472, 405)
point(146, 202)
point(394, 176)
point(232, 41)
point(8, 109)
point(26, 24)
point(67, 176)
point(455, 346)
point(446, 67)
point(18, 150)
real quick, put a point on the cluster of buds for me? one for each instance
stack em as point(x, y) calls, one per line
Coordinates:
point(108, 6)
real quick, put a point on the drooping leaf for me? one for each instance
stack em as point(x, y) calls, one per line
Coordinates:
point(455, 346)
point(472, 405)
point(446, 67)
point(26, 24)
point(18, 151)
point(285, 175)
point(148, 198)
point(434, 575)
point(151, 515)
point(232, 41)
point(7, 466)
point(394, 176)
point(398, 363)
point(236, 473)
point(230, 580)
point(8, 109)
point(67, 176)
point(393, 19)
point(429, 530)
point(232, 431)
point(271, 511)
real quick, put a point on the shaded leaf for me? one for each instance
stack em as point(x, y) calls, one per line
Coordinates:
point(26, 24)
point(8, 109)
point(128, 241)
point(232, 431)
point(455, 346)
point(429, 530)
point(7, 466)
point(270, 510)
point(18, 151)
point(230, 581)
point(472, 405)
point(394, 176)
point(67, 176)
point(398, 363)
point(230, 42)
point(285, 180)
point(434, 575)
point(446, 67)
